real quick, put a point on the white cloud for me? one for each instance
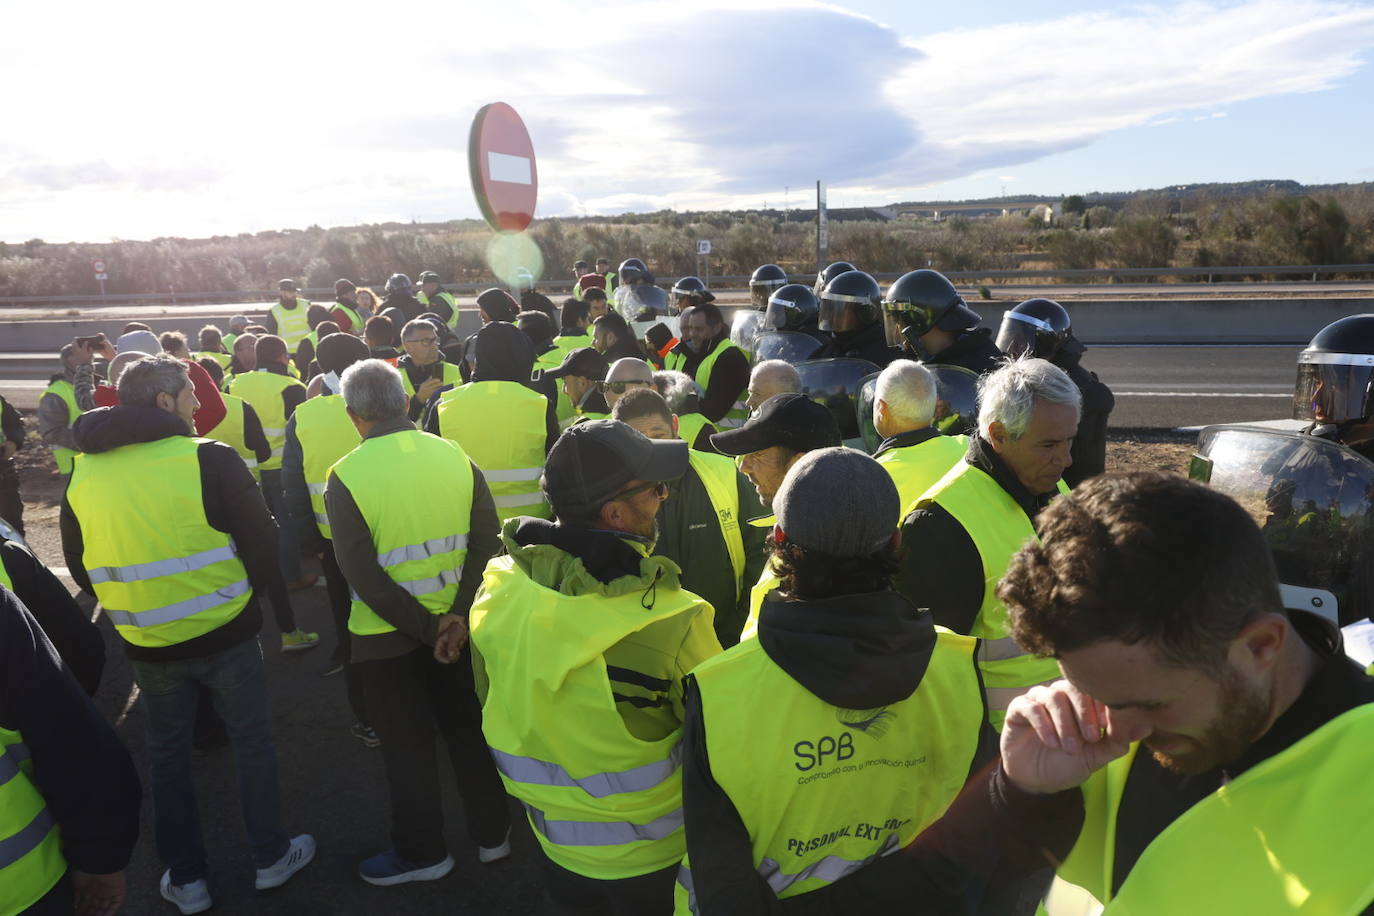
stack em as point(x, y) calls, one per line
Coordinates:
point(283, 114)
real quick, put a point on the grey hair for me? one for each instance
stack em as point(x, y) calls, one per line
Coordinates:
point(144, 379)
point(1008, 394)
point(417, 324)
point(372, 389)
point(66, 354)
point(679, 390)
point(785, 375)
point(240, 321)
point(908, 390)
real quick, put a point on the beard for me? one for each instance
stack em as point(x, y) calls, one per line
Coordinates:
point(1241, 718)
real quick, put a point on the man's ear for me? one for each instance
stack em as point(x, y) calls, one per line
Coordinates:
point(675, 424)
point(165, 401)
point(997, 435)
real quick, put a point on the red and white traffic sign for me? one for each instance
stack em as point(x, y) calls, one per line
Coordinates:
point(501, 162)
point(99, 266)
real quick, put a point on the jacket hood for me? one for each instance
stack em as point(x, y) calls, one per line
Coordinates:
point(966, 343)
point(579, 561)
point(852, 651)
point(503, 354)
point(107, 428)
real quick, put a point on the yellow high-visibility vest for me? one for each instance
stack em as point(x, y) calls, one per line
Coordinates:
point(916, 468)
point(326, 434)
point(263, 389)
point(31, 861)
point(502, 428)
point(67, 392)
point(292, 325)
point(230, 432)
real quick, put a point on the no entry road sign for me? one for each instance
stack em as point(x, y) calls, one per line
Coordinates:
point(501, 162)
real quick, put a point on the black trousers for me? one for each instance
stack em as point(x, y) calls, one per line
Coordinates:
point(409, 698)
point(340, 602)
point(571, 894)
point(11, 504)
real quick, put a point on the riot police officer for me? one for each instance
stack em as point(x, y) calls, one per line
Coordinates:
point(830, 272)
point(1041, 327)
point(687, 292)
point(795, 308)
point(1333, 387)
point(926, 316)
point(766, 278)
point(851, 310)
point(632, 272)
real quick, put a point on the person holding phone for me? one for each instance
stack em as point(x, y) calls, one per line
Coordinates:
point(423, 370)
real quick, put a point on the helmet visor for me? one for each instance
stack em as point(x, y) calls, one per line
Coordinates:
point(760, 291)
point(776, 316)
point(903, 318)
point(1332, 387)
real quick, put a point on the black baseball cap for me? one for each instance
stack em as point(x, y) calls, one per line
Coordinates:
point(288, 285)
point(429, 276)
point(790, 419)
point(594, 460)
point(586, 362)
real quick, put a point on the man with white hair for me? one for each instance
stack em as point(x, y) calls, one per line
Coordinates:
point(963, 531)
point(913, 451)
point(683, 397)
point(770, 377)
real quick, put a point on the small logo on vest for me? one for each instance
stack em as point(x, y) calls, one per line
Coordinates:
point(872, 722)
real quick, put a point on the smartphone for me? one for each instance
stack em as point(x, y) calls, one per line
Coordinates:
point(436, 371)
point(92, 342)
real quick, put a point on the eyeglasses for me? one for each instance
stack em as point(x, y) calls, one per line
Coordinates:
point(619, 387)
point(659, 487)
point(425, 341)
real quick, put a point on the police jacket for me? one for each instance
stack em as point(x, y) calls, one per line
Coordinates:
point(973, 350)
point(854, 652)
point(68, 628)
point(88, 782)
point(233, 504)
point(1089, 449)
point(357, 556)
point(690, 535)
point(869, 342)
point(941, 567)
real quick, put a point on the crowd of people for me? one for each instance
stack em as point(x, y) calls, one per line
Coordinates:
point(639, 580)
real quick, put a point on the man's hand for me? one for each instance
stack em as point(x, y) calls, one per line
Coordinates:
point(427, 389)
point(452, 637)
point(98, 895)
point(7, 449)
point(1056, 736)
point(83, 354)
point(104, 349)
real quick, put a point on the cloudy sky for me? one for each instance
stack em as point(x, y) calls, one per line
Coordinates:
point(149, 118)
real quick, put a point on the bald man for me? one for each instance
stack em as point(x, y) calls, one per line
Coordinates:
point(771, 377)
point(626, 374)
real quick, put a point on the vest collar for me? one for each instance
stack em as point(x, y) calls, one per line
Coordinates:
point(601, 555)
point(907, 439)
point(388, 427)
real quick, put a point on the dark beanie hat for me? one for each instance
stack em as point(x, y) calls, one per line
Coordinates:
point(338, 351)
point(498, 304)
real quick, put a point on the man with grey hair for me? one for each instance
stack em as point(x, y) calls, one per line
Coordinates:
point(58, 409)
point(413, 556)
point(173, 537)
point(913, 451)
point(962, 534)
point(236, 326)
point(683, 396)
point(770, 377)
point(423, 368)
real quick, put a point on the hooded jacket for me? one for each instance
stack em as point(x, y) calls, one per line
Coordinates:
point(233, 504)
point(851, 651)
point(868, 343)
point(1089, 449)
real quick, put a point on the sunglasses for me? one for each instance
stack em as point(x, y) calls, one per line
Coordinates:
point(659, 487)
point(619, 387)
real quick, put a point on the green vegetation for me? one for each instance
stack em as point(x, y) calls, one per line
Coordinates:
point(1256, 223)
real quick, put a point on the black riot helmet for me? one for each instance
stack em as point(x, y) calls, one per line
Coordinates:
point(850, 301)
point(1037, 327)
point(1335, 371)
point(631, 270)
point(689, 291)
point(766, 278)
point(791, 307)
point(398, 283)
point(920, 300)
point(830, 272)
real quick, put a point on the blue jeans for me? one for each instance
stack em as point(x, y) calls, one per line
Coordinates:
point(288, 544)
point(237, 685)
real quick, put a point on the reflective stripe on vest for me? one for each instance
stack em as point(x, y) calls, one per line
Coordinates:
point(1282, 837)
point(891, 771)
point(718, 476)
point(292, 325)
point(67, 392)
point(502, 427)
point(263, 389)
point(603, 803)
point(30, 846)
point(162, 573)
point(768, 580)
point(998, 527)
point(230, 432)
point(325, 434)
point(420, 534)
point(738, 412)
point(917, 468)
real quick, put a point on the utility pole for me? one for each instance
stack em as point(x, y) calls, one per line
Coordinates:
point(786, 191)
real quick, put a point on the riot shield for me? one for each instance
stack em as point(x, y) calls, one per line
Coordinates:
point(745, 327)
point(671, 322)
point(644, 300)
point(789, 346)
point(1312, 499)
point(835, 383)
point(956, 404)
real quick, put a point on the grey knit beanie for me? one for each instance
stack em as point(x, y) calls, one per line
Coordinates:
point(838, 501)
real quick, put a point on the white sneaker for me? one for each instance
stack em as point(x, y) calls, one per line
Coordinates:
point(188, 898)
point(488, 854)
point(298, 855)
